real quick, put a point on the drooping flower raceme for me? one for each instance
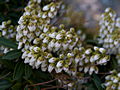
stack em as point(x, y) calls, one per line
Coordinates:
point(113, 81)
point(8, 31)
point(110, 32)
point(55, 48)
point(109, 37)
point(34, 21)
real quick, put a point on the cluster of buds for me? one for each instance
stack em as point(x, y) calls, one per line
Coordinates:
point(107, 28)
point(116, 36)
point(90, 58)
point(55, 49)
point(8, 31)
point(113, 81)
point(57, 39)
point(35, 21)
point(109, 33)
point(70, 61)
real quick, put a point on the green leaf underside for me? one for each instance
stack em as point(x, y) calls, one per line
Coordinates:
point(14, 54)
point(7, 43)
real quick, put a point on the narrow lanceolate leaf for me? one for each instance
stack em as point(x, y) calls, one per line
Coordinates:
point(7, 43)
point(4, 84)
point(14, 54)
point(97, 82)
point(18, 71)
point(28, 71)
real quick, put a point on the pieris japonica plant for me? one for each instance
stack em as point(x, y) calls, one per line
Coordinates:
point(36, 50)
point(109, 38)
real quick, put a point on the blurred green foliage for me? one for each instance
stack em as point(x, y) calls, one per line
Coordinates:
point(11, 9)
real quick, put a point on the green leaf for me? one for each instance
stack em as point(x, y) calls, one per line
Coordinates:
point(26, 88)
point(28, 71)
point(8, 64)
point(18, 71)
point(7, 43)
point(4, 84)
point(17, 86)
point(114, 62)
point(14, 54)
point(43, 75)
point(97, 82)
point(91, 87)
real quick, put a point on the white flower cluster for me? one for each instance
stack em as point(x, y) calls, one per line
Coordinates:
point(109, 32)
point(90, 58)
point(55, 49)
point(57, 43)
point(71, 62)
point(34, 22)
point(113, 81)
point(8, 31)
point(107, 27)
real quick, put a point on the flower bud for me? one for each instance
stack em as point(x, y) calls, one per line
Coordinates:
point(88, 51)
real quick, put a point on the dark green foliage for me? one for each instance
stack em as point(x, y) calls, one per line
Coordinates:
point(4, 84)
point(12, 10)
point(7, 43)
point(97, 82)
point(28, 71)
point(14, 54)
point(18, 71)
point(14, 73)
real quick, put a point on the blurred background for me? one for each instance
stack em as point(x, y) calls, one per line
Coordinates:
point(91, 11)
point(93, 8)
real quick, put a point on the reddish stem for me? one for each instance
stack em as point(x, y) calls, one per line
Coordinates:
point(42, 83)
point(53, 87)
